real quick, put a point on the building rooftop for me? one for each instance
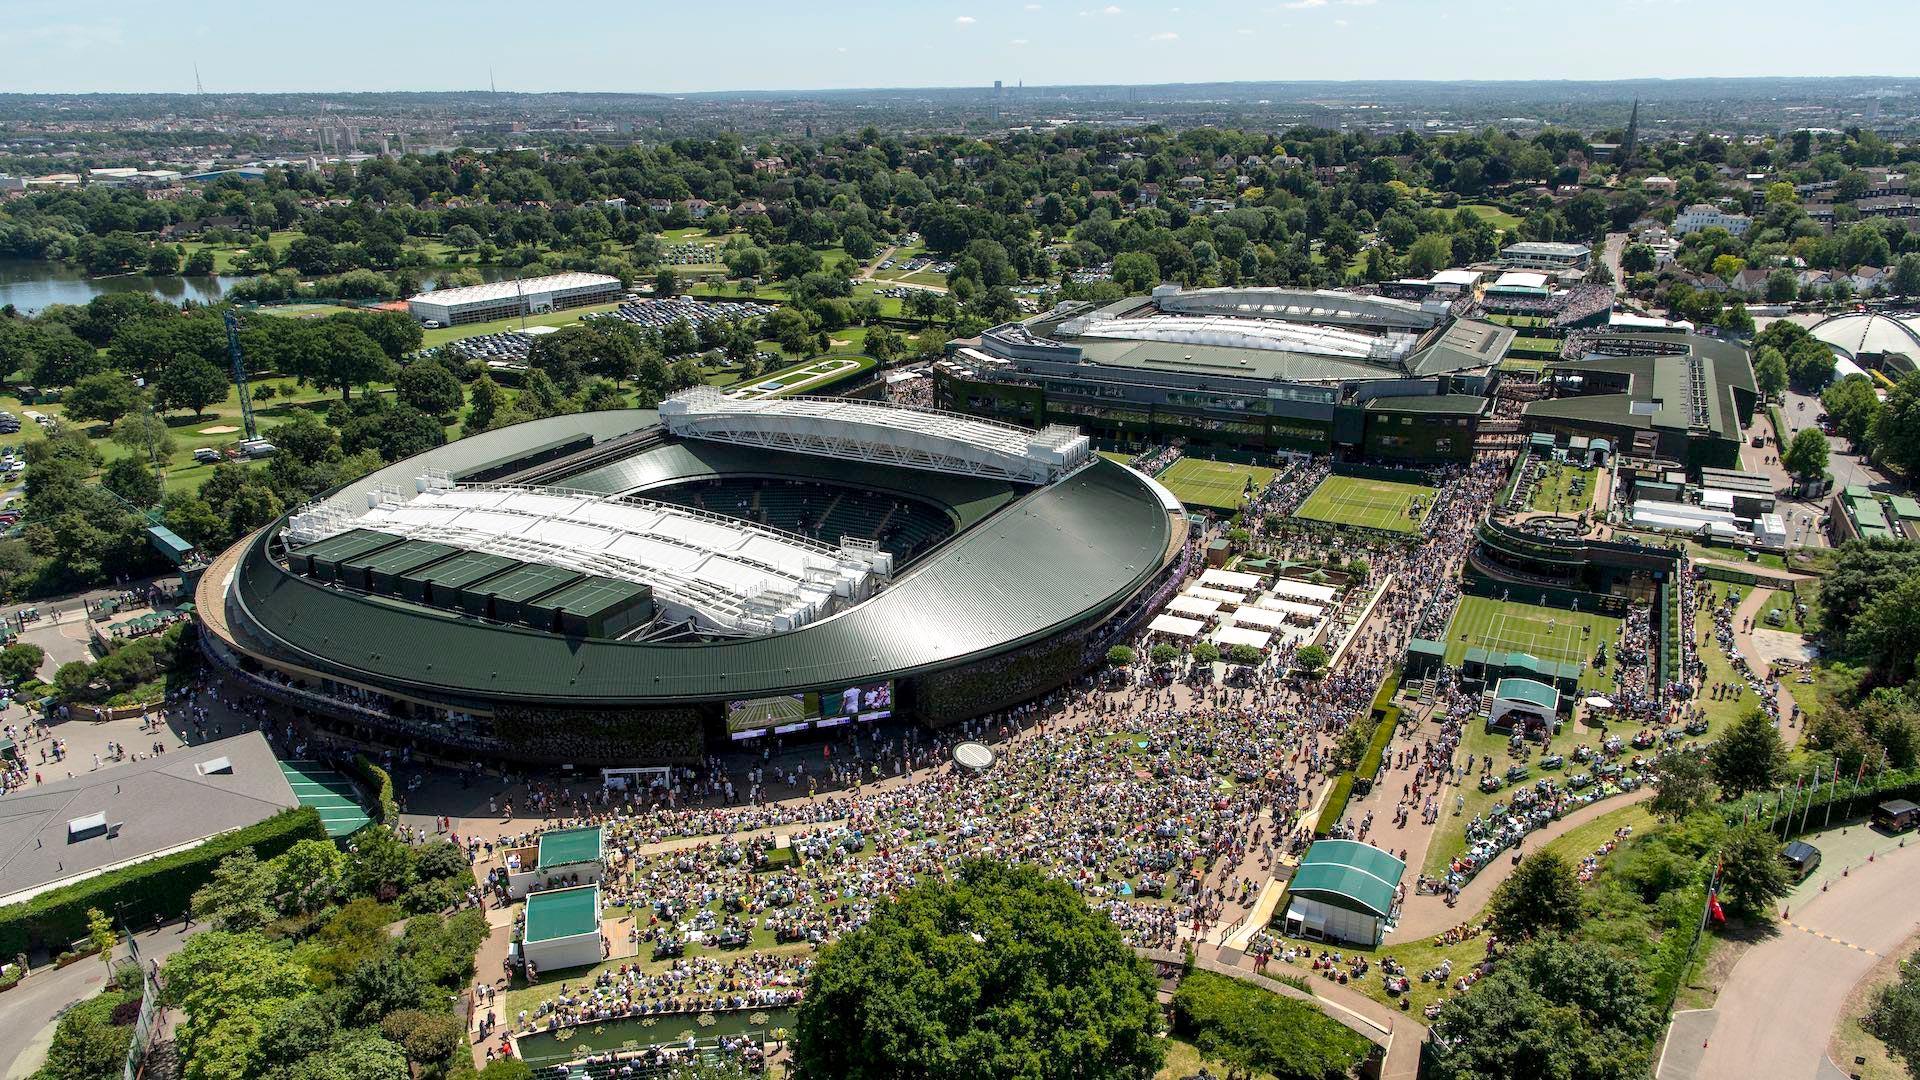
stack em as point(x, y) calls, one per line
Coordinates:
point(136, 811)
point(1349, 874)
point(1547, 248)
point(567, 847)
point(1533, 693)
point(501, 290)
point(563, 913)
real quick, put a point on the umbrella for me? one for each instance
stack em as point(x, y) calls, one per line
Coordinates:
point(1598, 702)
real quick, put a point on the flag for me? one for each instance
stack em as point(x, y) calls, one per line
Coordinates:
point(1713, 907)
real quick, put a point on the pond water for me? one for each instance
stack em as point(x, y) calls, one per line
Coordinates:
point(547, 1048)
point(31, 285)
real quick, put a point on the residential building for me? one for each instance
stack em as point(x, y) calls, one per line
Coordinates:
point(1704, 216)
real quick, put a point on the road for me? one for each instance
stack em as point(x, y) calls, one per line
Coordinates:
point(28, 1011)
point(1610, 254)
point(1783, 998)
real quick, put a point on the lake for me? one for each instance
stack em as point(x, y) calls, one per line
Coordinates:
point(31, 285)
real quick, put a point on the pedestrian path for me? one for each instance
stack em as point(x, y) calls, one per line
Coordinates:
point(332, 794)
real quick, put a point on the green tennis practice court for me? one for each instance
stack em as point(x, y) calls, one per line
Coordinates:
point(332, 794)
point(1213, 485)
point(1564, 637)
point(1368, 504)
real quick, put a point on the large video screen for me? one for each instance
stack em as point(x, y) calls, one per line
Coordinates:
point(862, 703)
point(783, 714)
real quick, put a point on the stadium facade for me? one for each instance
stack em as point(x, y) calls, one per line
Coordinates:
point(1240, 370)
point(1682, 398)
point(632, 587)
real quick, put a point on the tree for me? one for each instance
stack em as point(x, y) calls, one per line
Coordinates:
point(309, 873)
point(144, 434)
point(1906, 275)
point(1749, 756)
point(1770, 371)
point(429, 387)
point(1542, 895)
point(1311, 660)
point(1806, 456)
point(1682, 784)
point(188, 382)
point(1782, 286)
point(1163, 654)
point(1894, 1018)
point(1886, 633)
point(483, 404)
point(1752, 875)
point(1255, 1031)
point(1244, 655)
point(1206, 652)
point(1001, 972)
point(21, 661)
point(105, 396)
point(1431, 252)
point(1637, 259)
point(1120, 656)
point(1853, 408)
point(132, 480)
point(1549, 1009)
point(1136, 272)
point(1896, 430)
point(102, 935)
point(463, 238)
point(87, 1044)
point(240, 895)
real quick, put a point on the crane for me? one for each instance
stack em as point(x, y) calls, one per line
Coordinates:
point(240, 375)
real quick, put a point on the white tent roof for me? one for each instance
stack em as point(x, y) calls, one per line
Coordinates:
point(1193, 605)
point(1304, 590)
point(1230, 579)
point(1239, 635)
point(1175, 626)
point(1259, 617)
point(1201, 592)
point(1293, 607)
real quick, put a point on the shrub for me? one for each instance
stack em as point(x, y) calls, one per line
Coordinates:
point(1257, 1030)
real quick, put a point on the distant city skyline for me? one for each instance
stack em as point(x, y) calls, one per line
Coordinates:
point(357, 45)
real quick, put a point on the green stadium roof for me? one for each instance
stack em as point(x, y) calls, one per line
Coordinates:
point(593, 595)
point(563, 913)
point(464, 569)
point(401, 558)
point(348, 545)
point(1444, 404)
point(1348, 874)
point(1533, 693)
point(566, 847)
point(1661, 379)
point(529, 581)
point(1058, 558)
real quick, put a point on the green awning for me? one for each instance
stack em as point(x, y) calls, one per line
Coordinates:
point(569, 847)
point(563, 913)
point(1533, 693)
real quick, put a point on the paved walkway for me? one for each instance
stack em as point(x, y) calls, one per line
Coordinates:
point(1761, 658)
point(1781, 1001)
point(1424, 916)
point(30, 1011)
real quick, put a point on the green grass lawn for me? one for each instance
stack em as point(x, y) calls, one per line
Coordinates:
point(1555, 492)
point(223, 254)
point(1368, 504)
point(1536, 345)
point(1216, 485)
point(1492, 215)
point(1566, 637)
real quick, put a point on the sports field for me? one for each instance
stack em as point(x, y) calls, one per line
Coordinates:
point(1215, 485)
point(1565, 637)
point(1368, 504)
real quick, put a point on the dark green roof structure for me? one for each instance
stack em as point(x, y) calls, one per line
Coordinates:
point(563, 913)
point(1529, 691)
point(1348, 874)
point(1027, 568)
point(569, 847)
point(1686, 397)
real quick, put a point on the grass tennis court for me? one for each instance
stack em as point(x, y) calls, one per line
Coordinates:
point(328, 792)
point(1215, 485)
point(1368, 504)
point(1566, 637)
point(755, 713)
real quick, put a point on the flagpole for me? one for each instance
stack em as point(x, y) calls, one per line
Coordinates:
point(1808, 809)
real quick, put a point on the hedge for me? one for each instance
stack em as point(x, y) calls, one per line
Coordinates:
point(1228, 1018)
point(138, 893)
point(377, 778)
point(1386, 719)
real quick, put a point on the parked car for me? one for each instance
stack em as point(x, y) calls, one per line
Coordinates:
point(1897, 816)
point(1801, 858)
point(206, 455)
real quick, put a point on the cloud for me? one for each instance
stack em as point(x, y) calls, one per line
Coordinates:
point(1358, 3)
point(1165, 35)
point(1018, 43)
point(1110, 9)
point(1245, 31)
point(1299, 5)
point(1033, 7)
point(1339, 22)
point(963, 20)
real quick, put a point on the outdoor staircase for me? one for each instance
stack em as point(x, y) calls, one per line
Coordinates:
point(1486, 702)
point(1426, 691)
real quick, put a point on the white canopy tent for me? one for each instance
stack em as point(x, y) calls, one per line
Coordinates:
point(1304, 590)
point(1293, 607)
point(1229, 636)
point(1175, 626)
point(1231, 580)
point(1260, 618)
point(1201, 592)
point(1193, 606)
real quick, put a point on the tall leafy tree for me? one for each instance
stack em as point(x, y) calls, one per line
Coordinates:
point(1749, 756)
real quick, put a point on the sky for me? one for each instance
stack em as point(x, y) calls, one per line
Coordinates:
point(679, 47)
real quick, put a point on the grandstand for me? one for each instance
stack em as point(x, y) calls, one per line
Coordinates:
point(1238, 371)
point(610, 587)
